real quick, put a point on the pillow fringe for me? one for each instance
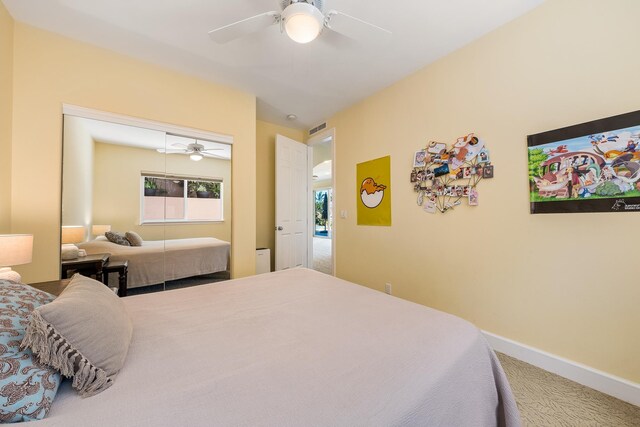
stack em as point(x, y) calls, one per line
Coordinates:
point(54, 350)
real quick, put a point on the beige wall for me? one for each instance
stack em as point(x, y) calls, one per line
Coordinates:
point(50, 70)
point(265, 181)
point(321, 152)
point(563, 283)
point(77, 175)
point(116, 199)
point(6, 99)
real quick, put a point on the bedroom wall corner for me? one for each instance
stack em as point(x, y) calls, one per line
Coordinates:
point(560, 283)
point(265, 181)
point(77, 191)
point(6, 113)
point(51, 70)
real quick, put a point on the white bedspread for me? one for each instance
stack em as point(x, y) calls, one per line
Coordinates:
point(160, 260)
point(295, 348)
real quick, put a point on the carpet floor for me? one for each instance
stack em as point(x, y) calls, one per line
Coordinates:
point(181, 283)
point(546, 399)
point(322, 255)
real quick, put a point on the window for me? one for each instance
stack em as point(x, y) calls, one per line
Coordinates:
point(180, 199)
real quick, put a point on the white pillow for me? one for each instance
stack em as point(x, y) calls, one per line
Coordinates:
point(133, 238)
point(84, 333)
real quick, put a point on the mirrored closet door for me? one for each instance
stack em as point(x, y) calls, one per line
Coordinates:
point(144, 210)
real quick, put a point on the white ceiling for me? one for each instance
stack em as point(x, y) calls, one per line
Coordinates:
point(312, 81)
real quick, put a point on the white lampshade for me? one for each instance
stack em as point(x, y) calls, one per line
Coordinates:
point(302, 22)
point(98, 230)
point(15, 249)
point(72, 233)
point(196, 157)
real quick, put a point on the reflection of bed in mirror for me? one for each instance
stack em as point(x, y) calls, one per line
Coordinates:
point(161, 260)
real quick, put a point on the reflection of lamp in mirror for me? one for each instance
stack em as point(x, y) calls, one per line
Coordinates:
point(99, 230)
point(15, 249)
point(71, 234)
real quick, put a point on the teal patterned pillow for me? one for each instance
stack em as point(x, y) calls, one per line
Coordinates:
point(27, 388)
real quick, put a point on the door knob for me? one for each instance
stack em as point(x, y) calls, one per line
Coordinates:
point(279, 228)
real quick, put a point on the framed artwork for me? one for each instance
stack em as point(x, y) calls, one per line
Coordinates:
point(590, 167)
point(419, 159)
point(373, 183)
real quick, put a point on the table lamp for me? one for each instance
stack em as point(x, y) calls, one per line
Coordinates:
point(15, 249)
point(71, 234)
point(99, 230)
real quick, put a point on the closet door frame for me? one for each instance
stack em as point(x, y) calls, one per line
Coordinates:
point(88, 113)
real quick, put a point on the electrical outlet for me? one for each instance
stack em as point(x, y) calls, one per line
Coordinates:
point(387, 288)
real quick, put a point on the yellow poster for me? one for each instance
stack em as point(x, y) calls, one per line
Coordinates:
point(374, 191)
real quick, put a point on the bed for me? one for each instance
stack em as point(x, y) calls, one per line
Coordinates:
point(295, 348)
point(159, 260)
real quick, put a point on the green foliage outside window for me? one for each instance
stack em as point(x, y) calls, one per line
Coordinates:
point(204, 189)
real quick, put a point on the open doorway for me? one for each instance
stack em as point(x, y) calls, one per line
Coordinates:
point(323, 229)
point(323, 198)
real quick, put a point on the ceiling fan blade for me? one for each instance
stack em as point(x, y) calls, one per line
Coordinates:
point(162, 150)
point(355, 28)
point(214, 156)
point(245, 27)
point(180, 144)
point(211, 149)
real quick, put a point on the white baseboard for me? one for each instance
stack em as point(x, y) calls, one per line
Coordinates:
point(585, 375)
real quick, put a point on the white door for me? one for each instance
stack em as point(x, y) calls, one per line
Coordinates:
point(292, 208)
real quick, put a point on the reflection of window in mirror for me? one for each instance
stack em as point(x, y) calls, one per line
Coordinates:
point(180, 199)
point(171, 194)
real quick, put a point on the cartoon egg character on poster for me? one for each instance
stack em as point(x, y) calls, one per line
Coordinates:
point(371, 193)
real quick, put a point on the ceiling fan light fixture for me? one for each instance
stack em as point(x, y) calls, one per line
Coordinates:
point(302, 22)
point(196, 157)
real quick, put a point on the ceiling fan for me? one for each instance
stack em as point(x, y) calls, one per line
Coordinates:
point(195, 150)
point(303, 21)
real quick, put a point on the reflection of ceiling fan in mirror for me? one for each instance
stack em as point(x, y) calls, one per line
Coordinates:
point(195, 150)
point(303, 21)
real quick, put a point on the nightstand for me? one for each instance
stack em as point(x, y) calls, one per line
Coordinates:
point(54, 287)
point(121, 268)
point(90, 265)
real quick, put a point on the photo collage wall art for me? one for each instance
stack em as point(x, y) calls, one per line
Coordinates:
point(444, 176)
